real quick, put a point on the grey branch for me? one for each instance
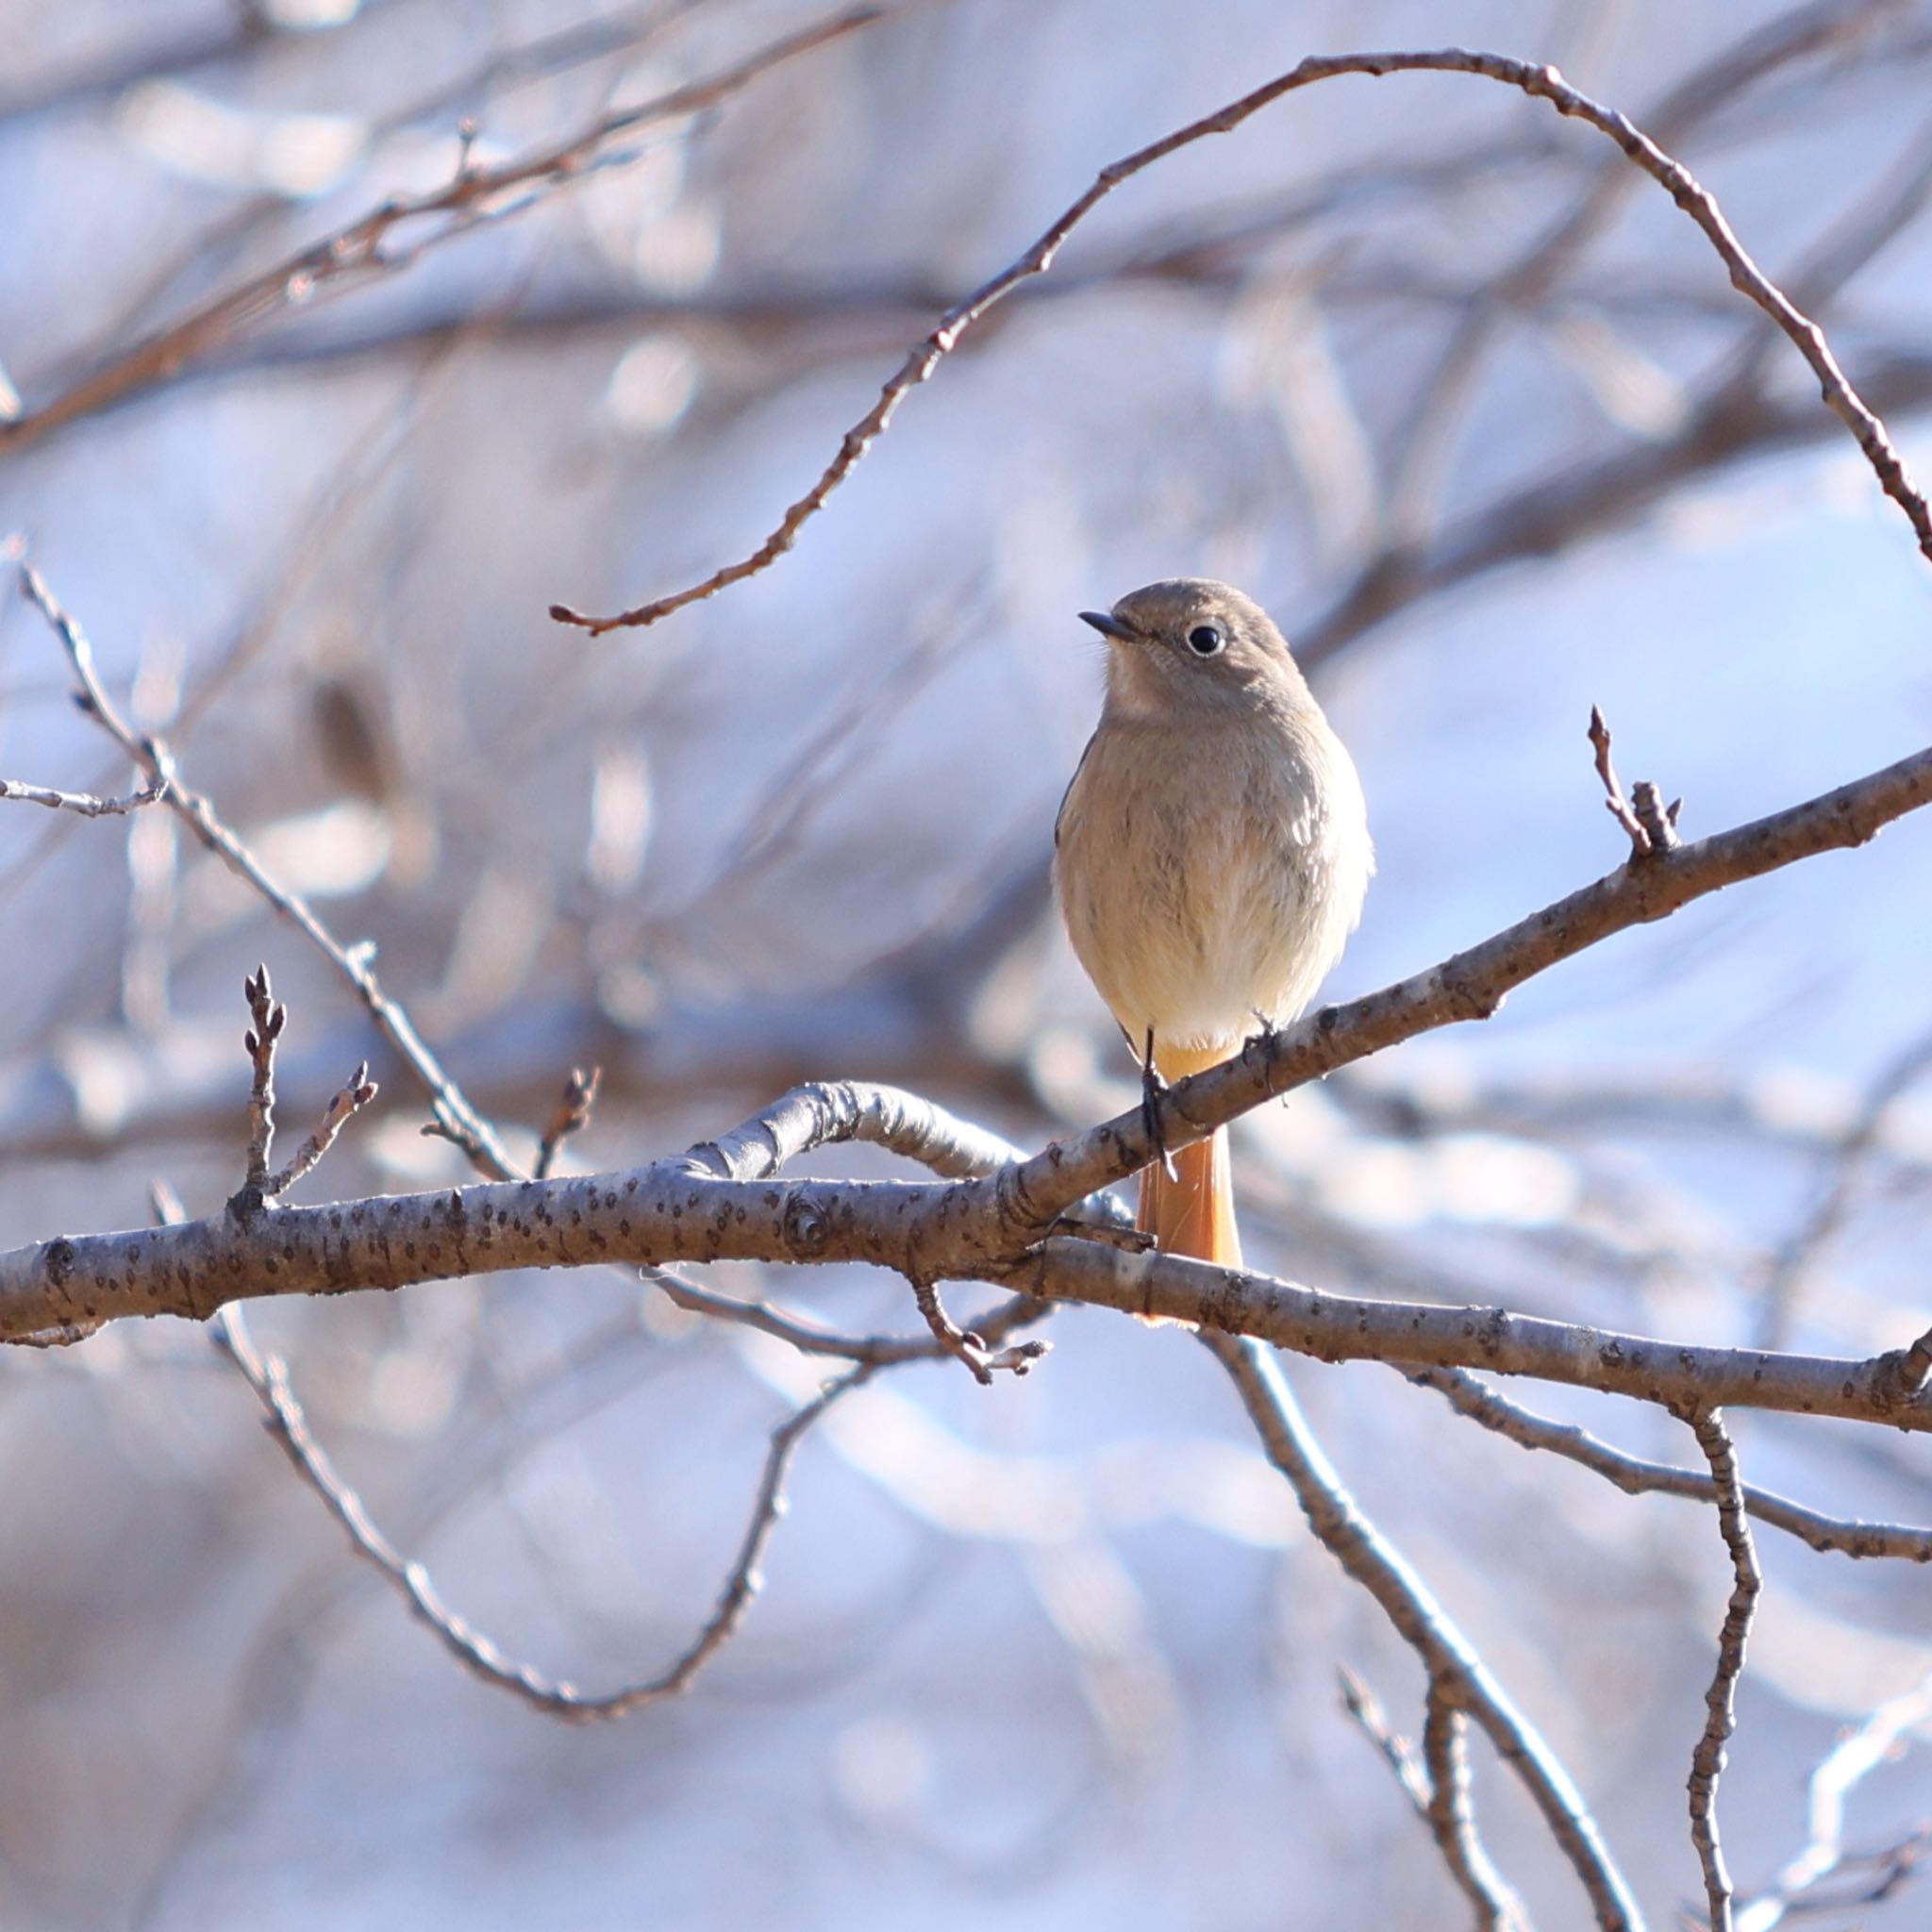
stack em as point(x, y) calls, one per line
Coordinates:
point(347, 1101)
point(1721, 1700)
point(85, 803)
point(570, 1115)
point(1637, 1476)
point(1472, 985)
point(1365, 1707)
point(153, 758)
point(1840, 1773)
point(1457, 1674)
point(1438, 1789)
point(824, 1113)
point(268, 1376)
point(684, 1209)
point(1540, 82)
point(1451, 1813)
point(369, 245)
point(809, 1338)
point(1332, 1328)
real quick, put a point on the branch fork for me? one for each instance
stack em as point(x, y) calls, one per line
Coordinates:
point(259, 1187)
point(968, 1346)
point(1650, 823)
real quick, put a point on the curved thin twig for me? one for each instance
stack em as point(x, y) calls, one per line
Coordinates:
point(267, 1374)
point(1541, 82)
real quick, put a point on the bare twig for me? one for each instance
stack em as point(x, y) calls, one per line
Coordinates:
point(1707, 1760)
point(347, 1101)
point(1365, 1707)
point(1852, 1758)
point(370, 246)
point(267, 1019)
point(1637, 1476)
point(572, 1115)
point(267, 1374)
point(1613, 787)
point(1652, 825)
point(85, 803)
point(879, 1351)
point(152, 756)
point(1436, 1781)
point(1540, 82)
point(1452, 1817)
point(968, 1346)
point(1849, 1156)
point(1457, 1673)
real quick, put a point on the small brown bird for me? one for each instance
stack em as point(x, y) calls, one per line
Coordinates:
point(1212, 856)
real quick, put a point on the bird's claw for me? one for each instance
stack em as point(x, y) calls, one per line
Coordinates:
point(1152, 1088)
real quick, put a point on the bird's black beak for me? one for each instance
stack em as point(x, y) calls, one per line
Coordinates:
point(1108, 626)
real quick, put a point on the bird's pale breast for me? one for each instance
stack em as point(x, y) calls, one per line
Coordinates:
point(1211, 871)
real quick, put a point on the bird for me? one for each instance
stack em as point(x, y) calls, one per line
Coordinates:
point(1211, 858)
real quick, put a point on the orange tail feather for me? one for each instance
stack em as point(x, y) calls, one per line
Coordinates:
point(1194, 1213)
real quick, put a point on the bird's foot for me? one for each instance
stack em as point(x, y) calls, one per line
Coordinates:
point(1152, 1088)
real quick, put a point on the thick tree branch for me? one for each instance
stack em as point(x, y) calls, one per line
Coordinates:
point(1308, 1321)
point(681, 1209)
point(1472, 985)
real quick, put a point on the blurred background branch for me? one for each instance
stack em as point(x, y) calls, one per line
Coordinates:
point(1479, 423)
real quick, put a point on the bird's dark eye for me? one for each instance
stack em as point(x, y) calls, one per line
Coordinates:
point(1205, 639)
